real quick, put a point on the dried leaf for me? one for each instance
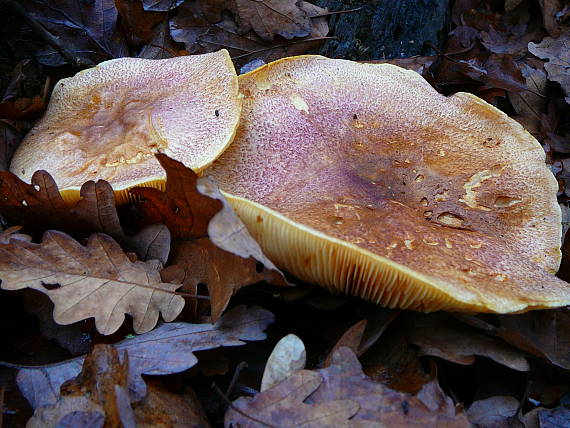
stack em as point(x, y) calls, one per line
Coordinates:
point(435, 399)
point(393, 362)
point(22, 108)
point(501, 42)
point(440, 337)
point(288, 356)
point(162, 408)
point(529, 105)
point(550, 9)
point(379, 405)
point(557, 51)
point(69, 337)
point(545, 334)
point(200, 35)
point(557, 417)
point(94, 391)
point(167, 349)
point(495, 412)
point(283, 406)
point(39, 206)
point(161, 5)
point(96, 281)
point(137, 23)
point(10, 138)
point(211, 245)
point(350, 339)
point(161, 45)
point(266, 17)
point(89, 30)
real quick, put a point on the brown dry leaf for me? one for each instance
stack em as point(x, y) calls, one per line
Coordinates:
point(439, 336)
point(200, 35)
point(283, 406)
point(434, 398)
point(10, 138)
point(393, 362)
point(98, 393)
point(161, 5)
point(550, 10)
point(162, 408)
point(39, 206)
point(501, 42)
point(557, 417)
point(210, 245)
point(97, 281)
point(350, 339)
point(161, 45)
point(530, 105)
point(266, 17)
point(137, 24)
point(495, 412)
point(22, 108)
point(545, 334)
point(379, 405)
point(557, 52)
point(288, 356)
point(167, 349)
point(89, 30)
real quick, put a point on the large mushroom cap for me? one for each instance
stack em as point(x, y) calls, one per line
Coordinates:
point(362, 178)
point(107, 122)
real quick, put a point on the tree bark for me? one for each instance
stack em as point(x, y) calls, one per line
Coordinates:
point(384, 29)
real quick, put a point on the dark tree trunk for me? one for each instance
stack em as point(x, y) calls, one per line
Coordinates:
point(385, 28)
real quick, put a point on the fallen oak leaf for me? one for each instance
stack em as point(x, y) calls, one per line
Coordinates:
point(97, 281)
point(283, 406)
point(89, 31)
point(557, 51)
point(39, 206)
point(210, 244)
point(341, 388)
point(137, 23)
point(439, 336)
point(266, 17)
point(378, 404)
point(100, 389)
point(10, 138)
point(200, 35)
point(165, 350)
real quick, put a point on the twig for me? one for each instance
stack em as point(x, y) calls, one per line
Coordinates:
point(337, 12)
point(229, 403)
point(235, 377)
point(316, 39)
point(53, 41)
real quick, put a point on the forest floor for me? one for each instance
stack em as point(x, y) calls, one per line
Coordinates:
point(335, 360)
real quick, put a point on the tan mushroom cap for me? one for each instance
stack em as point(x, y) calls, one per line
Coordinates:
point(362, 178)
point(108, 121)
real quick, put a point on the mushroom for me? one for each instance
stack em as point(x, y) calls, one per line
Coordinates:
point(108, 121)
point(362, 178)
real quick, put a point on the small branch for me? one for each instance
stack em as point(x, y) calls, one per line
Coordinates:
point(337, 12)
point(53, 41)
point(229, 403)
point(316, 39)
point(235, 377)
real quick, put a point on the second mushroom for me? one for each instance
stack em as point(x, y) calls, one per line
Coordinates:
point(362, 178)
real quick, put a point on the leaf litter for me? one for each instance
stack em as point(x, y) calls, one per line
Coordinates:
point(410, 369)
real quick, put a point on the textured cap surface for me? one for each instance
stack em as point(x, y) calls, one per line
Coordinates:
point(361, 177)
point(106, 122)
